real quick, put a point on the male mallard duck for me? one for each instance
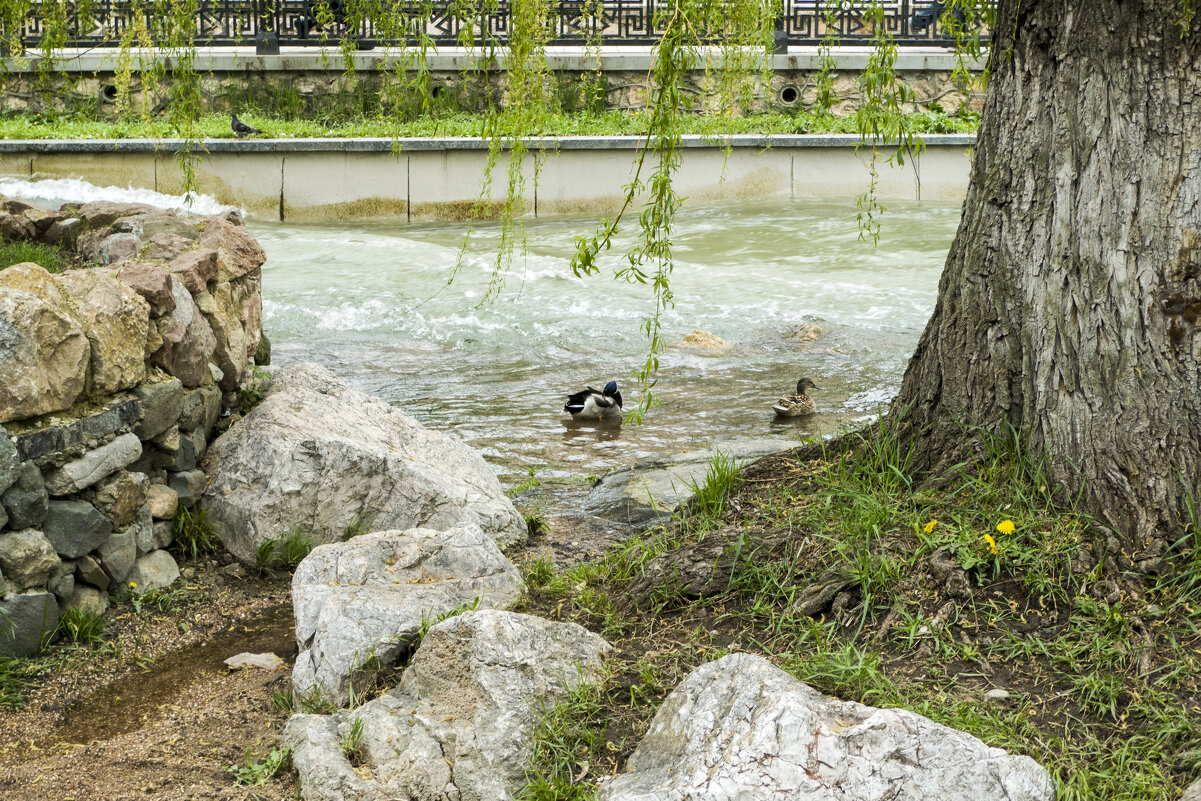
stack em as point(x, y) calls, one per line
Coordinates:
point(588, 404)
point(798, 404)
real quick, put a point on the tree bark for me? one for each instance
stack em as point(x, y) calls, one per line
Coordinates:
point(1069, 304)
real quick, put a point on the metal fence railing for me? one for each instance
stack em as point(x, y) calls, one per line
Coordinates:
point(102, 23)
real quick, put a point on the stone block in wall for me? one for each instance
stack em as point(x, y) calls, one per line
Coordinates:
point(162, 403)
point(10, 461)
point(188, 453)
point(62, 581)
point(46, 354)
point(94, 465)
point(162, 502)
point(168, 441)
point(143, 536)
point(196, 269)
point(29, 620)
point(63, 433)
point(234, 311)
point(118, 554)
point(103, 213)
point(118, 248)
point(121, 497)
point(88, 598)
point(201, 409)
point(188, 485)
point(166, 245)
point(153, 571)
point(89, 570)
point(238, 252)
point(188, 340)
point(116, 321)
point(75, 528)
point(150, 281)
point(26, 501)
point(164, 533)
point(27, 558)
point(42, 219)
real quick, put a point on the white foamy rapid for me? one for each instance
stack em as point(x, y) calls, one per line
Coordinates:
point(56, 191)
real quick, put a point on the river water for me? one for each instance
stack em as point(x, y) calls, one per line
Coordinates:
point(787, 286)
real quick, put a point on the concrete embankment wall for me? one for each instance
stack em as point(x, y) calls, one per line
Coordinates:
point(310, 180)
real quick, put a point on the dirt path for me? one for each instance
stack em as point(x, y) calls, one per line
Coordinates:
point(152, 712)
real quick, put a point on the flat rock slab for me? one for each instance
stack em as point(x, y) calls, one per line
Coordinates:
point(741, 729)
point(458, 725)
point(94, 465)
point(320, 455)
point(248, 661)
point(366, 598)
point(652, 489)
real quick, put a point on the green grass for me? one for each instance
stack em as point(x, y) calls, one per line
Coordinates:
point(1101, 668)
point(352, 742)
point(610, 123)
point(15, 675)
point(194, 535)
point(289, 550)
point(48, 256)
point(255, 773)
point(81, 626)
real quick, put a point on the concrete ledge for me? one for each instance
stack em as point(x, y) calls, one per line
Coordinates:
point(308, 180)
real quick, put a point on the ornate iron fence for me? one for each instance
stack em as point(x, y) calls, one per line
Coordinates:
point(103, 23)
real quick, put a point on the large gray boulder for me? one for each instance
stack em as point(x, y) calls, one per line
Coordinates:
point(365, 599)
point(318, 454)
point(458, 725)
point(27, 558)
point(741, 729)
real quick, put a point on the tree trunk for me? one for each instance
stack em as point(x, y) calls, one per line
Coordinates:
point(1069, 305)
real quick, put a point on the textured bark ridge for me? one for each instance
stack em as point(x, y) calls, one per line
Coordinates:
point(1069, 305)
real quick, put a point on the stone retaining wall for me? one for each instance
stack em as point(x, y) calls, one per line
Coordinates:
point(113, 375)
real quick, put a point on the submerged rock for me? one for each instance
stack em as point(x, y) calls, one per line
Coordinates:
point(458, 725)
point(741, 729)
point(651, 490)
point(318, 455)
point(365, 599)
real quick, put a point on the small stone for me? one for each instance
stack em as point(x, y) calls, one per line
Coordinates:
point(189, 484)
point(161, 404)
point(144, 532)
point(201, 409)
point(234, 570)
point(268, 662)
point(196, 268)
point(154, 571)
point(27, 558)
point(996, 694)
point(62, 583)
point(87, 598)
point(75, 527)
point(88, 570)
point(168, 440)
point(118, 248)
point(26, 501)
point(163, 502)
point(150, 281)
point(64, 233)
point(121, 496)
point(94, 465)
point(164, 533)
point(118, 554)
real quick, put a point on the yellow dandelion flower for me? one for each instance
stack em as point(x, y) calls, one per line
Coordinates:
point(992, 544)
point(1006, 527)
point(929, 526)
point(133, 585)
